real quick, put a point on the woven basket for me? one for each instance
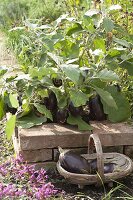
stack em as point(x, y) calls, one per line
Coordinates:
point(123, 166)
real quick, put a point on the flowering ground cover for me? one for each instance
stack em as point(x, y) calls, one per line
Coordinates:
point(18, 181)
point(21, 180)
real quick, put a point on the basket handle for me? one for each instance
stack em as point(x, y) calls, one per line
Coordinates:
point(94, 139)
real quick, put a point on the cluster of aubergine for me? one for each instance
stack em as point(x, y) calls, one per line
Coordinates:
point(93, 110)
point(74, 163)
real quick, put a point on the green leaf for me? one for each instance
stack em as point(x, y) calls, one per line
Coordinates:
point(26, 108)
point(58, 60)
point(30, 120)
point(114, 7)
point(106, 97)
point(100, 44)
point(122, 112)
point(82, 125)
point(3, 70)
point(13, 100)
point(43, 110)
point(2, 108)
point(75, 28)
point(29, 91)
point(121, 42)
point(43, 93)
point(127, 65)
point(71, 71)
point(10, 126)
point(78, 98)
point(108, 24)
point(107, 75)
point(92, 12)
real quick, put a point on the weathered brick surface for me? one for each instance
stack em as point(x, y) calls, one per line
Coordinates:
point(52, 136)
point(33, 155)
point(113, 134)
point(37, 155)
point(40, 143)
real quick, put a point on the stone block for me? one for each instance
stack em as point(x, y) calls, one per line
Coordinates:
point(52, 136)
point(37, 155)
point(113, 134)
point(32, 155)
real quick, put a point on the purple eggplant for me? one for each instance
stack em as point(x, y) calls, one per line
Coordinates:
point(108, 167)
point(96, 109)
point(73, 162)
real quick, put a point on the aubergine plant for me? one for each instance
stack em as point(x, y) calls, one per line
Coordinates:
point(63, 65)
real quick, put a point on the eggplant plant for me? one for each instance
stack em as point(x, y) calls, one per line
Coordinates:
point(63, 66)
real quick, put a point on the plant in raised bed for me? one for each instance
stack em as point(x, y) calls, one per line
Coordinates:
point(71, 62)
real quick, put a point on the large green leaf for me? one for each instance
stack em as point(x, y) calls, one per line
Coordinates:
point(107, 75)
point(121, 42)
point(30, 120)
point(115, 7)
point(92, 12)
point(75, 28)
point(99, 43)
point(3, 70)
point(82, 125)
point(71, 71)
point(108, 24)
point(106, 97)
point(78, 97)
point(55, 58)
point(13, 100)
point(127, 65)
point(10, 126)
point(42, 109)
point(122, 112)
point(2, 108)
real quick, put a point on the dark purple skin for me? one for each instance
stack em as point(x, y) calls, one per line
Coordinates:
point(75, 111)
point(108, 167)
point(74, 163)
point(11, 110)
point(51, 101)
point(96, 109)
point(61, 116)
point(57, 82)
point(86, 118)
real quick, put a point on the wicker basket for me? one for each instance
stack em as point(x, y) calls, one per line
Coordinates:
point(123, 166)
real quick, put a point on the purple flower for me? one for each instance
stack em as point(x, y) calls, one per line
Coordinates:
point(24, 181)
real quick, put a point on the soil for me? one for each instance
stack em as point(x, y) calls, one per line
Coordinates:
point(92, 192)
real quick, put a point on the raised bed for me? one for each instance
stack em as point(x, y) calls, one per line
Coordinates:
point(39, 144)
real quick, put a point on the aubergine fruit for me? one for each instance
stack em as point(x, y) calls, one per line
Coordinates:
point(96, 109)
point(86, 118)
point(108, 167)
point(11, 110)
point(51, 101)
point(61, 116)
point(73, 162)
point(57, 82)
point(75, 111)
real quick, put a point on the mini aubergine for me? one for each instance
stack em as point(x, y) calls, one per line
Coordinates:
point(96, 109)
point(108, 167)
point(73, 162)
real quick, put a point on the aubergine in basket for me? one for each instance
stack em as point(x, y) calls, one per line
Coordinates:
point(72, 162)
point(75, 163)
